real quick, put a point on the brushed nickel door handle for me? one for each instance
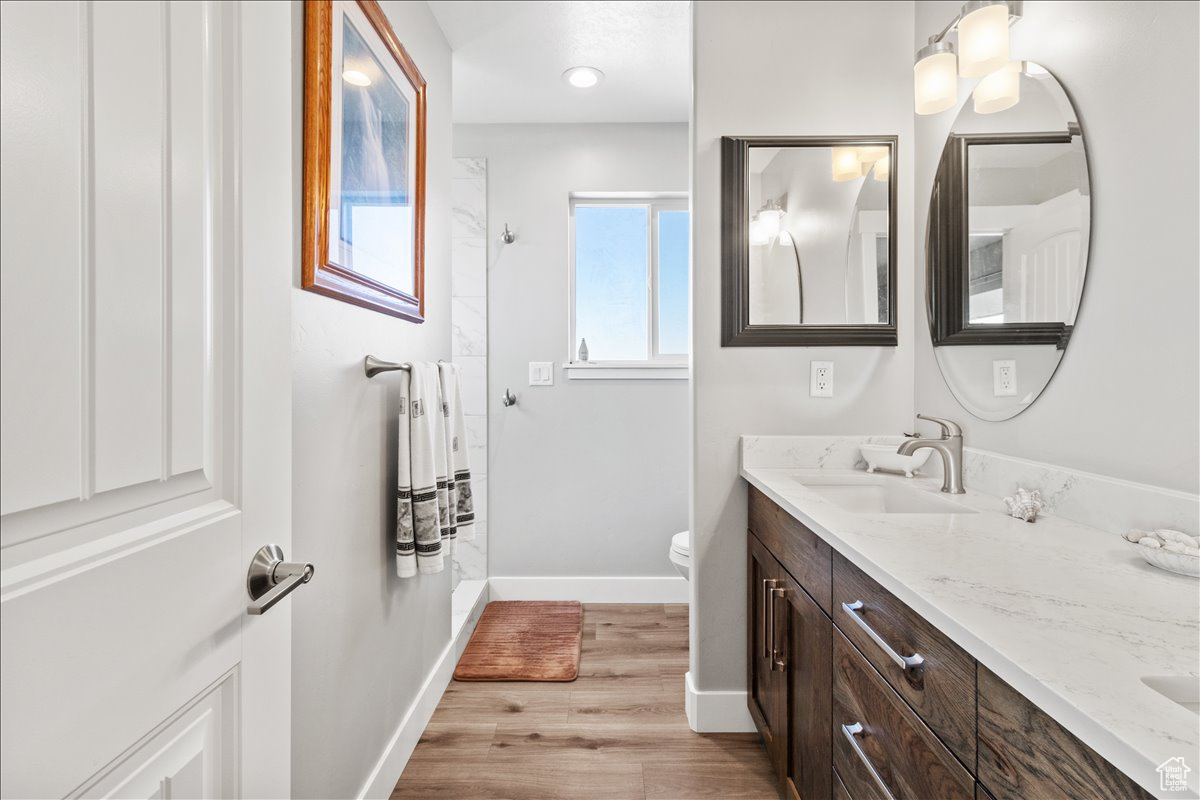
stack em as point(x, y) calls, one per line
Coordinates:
point(777, 664)
point(270, 578)
point(768, 616)
point(851, 732)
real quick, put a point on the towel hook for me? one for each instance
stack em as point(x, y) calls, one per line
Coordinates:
point(507, 237)
point(508, 398)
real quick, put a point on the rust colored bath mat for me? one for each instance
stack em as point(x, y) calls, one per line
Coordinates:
point(523, 640)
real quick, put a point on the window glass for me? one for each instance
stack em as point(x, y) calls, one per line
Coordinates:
point(611, 273)
point(673, 282)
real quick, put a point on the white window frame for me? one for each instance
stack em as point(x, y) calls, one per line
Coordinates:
point(656, 365)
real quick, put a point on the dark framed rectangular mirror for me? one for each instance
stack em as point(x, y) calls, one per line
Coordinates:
point(808, 241)
point(1004, 248)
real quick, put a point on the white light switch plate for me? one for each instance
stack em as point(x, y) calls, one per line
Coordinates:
point(541, 373)
point(820, 382)
point(1004, 378)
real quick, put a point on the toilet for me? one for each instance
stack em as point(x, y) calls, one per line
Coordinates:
point(681, 552)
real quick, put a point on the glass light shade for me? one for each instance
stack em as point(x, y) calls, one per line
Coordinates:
point(883, 169)
point(999, 90)
point(768, 219)
point(983, 40)
point(846, 166)
point(758, 236)
point(935, 82)
point(869, 155)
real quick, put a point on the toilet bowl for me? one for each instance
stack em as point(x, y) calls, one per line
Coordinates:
point(681, 552)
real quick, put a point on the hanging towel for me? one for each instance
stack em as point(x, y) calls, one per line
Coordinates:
point(461, 503)
point(422, 483)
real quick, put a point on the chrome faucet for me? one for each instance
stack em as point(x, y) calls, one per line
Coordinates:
point(950, 445)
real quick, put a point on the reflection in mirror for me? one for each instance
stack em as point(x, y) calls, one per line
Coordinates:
point(815, 258)
point(1007, 247)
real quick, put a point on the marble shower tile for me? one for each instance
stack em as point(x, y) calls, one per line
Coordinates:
point(469, 168)
point(468, 267)
point(474, 384)
point(471, 559)
point(468, 206)
point(468, 326)
point(477, 443)
point(479, 493)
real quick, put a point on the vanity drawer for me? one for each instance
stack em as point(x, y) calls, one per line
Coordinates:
point(880, 746)
point(1024, 753)
point(801, 552)
point(941, 688)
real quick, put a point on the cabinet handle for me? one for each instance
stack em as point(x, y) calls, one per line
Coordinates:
point(903, 662)
point(777, 664)
point(851, 733)
point(768, 618)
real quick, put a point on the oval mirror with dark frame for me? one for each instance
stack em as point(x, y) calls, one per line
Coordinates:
point(808, 237)
point(1007, 247)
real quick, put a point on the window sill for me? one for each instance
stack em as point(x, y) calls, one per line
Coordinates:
point(616, 371)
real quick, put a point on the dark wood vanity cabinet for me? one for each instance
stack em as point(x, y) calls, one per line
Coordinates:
point(847, 710)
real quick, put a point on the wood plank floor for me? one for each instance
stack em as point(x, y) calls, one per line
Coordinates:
point(617, 732)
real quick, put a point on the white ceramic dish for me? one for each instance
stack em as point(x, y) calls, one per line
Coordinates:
point(1179, 563)
point(885, 457)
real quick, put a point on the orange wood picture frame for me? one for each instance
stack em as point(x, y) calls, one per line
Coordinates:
point(318, 273)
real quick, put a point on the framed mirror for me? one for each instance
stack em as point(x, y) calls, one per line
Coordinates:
point(808, 237)
point(1007, 246)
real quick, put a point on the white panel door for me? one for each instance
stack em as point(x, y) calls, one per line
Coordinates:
point(145, 201)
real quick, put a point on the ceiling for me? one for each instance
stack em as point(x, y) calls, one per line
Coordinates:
point(509, 58)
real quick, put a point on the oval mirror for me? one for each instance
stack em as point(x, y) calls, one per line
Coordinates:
point(1006, 249)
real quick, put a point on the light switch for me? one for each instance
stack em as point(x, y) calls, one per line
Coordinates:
point(541, 373)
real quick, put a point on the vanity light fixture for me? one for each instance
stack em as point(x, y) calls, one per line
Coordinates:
point(999, 90)
point(982, 27)
point(582, 77)
point(768, 218)
point(883, 169)
point(356, 78)
point(846, 164)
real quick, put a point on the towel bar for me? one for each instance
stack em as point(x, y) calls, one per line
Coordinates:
point(373, 366)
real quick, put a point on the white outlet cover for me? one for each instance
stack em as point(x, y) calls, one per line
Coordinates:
point(820, 380)
point(1004, 378)
point(541, 373)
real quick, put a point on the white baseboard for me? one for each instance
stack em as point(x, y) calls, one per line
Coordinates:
point(716, 712)
point(672, 589)
point(382, 780)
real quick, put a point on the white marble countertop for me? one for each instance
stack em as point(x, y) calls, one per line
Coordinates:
point(1068, 615)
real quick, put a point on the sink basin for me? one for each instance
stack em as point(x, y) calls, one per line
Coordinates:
point(1183, 690)
point(869, 495)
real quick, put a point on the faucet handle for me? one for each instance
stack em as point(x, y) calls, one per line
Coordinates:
point(948, 428)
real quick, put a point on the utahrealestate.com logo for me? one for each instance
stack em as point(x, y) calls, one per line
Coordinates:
point(1172, 775)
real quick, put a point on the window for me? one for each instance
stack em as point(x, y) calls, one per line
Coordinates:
point(629, 267)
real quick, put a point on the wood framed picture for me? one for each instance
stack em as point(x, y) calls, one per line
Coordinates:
point(364, 161)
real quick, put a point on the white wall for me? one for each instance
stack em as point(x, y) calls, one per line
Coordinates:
point(1124, 400)
point(586, 478)
point(764, 68)
point(363, 641)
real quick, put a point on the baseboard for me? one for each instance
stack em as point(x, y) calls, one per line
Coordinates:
point(591, 590)
point(716, 712)
point(382, 780)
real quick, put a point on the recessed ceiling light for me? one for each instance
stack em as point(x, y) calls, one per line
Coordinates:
point(583, 77)
point(356, 78)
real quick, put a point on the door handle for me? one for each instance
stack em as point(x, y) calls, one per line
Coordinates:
point(906, 663)
point(852, 732)
point(777, 664)
point(270, 578)
point(768, 617)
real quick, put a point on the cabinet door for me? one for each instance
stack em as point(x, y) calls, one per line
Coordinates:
point(806, 656)
point(768, 688)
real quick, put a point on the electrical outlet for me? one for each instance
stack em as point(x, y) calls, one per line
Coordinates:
point(1004, 378)
point(820, 383)
point(541, 373)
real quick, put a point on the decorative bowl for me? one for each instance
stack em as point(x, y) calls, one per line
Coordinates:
point(1179, 563)
point(885, 457)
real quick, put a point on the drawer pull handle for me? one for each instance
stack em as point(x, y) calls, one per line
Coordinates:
point(778, 664)
point(768, 617)
point(903, 662)
point(851, 733)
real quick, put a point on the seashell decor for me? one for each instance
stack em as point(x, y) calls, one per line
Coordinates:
point(1025, 504)
point(1167, 549)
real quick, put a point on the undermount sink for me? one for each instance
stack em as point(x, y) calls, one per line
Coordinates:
point(1182, 690)
point(870, 495)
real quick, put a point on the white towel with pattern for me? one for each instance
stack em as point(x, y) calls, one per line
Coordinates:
point(461, 504)
point(422, 503)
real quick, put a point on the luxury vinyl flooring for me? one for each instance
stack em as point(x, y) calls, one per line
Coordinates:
point(618, 731)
